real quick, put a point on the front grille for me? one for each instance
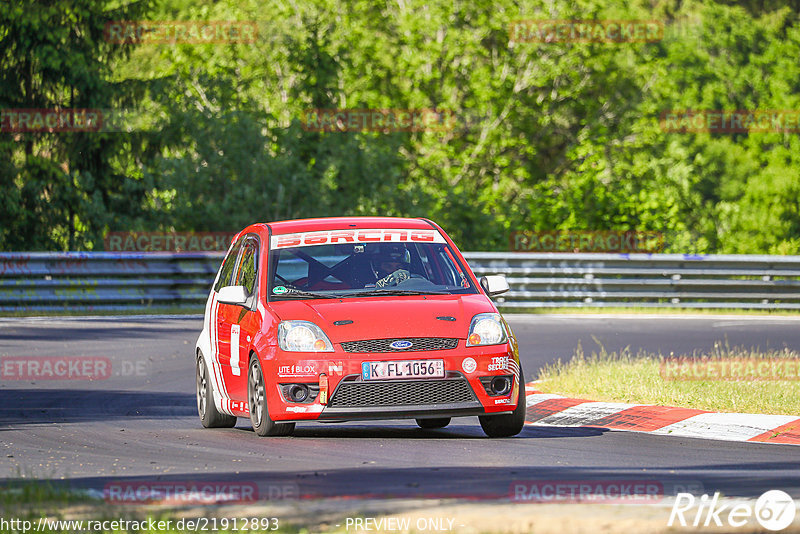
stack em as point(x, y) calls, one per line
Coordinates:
point(401, 393)
point(418, 343)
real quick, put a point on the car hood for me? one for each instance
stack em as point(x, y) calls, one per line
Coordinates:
point(388, 317)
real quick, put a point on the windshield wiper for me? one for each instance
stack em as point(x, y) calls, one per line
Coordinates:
point(299, 293)
point(393, 292)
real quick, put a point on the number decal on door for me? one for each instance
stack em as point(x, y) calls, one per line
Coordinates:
point(235, 331)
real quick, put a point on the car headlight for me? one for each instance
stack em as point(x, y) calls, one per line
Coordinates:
point(486, 329)
point(302, 336)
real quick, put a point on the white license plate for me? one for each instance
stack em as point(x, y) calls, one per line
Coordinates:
point(402, 369)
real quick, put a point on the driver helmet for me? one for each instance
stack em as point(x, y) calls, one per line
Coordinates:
point(390, 258)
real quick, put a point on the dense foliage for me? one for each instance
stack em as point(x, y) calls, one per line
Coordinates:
point(558, 135)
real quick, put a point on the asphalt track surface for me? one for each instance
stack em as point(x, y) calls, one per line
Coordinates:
point(140, 424)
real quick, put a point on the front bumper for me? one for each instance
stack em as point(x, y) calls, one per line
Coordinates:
point(354, 398)
point(459, 393)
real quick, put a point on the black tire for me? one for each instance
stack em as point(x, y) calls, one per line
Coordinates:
point(257, 400)
point(206, 408)
point(505, 426)
point(438, 422)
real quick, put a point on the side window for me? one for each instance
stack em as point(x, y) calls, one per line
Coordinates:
point(227, 267)
point(248, 267)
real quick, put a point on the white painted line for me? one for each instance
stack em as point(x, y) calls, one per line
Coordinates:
point(536, 398)
point(725, 426)
point(585, 414)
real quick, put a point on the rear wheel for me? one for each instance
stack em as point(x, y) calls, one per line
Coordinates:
point(438, 422)
point(257, 399)
point(504, 426)
point(206, 408)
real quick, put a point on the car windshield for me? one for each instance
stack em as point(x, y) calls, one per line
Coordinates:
point(362, 266)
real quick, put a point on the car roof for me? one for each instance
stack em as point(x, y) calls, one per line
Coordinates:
point(341, 223)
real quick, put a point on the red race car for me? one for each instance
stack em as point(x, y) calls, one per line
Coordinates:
point(355, 318)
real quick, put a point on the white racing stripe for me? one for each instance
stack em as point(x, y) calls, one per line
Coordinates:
point(225, 401)
point(726, 426)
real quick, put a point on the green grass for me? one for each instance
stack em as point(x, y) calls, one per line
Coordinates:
point(22, 491)
point(637, 379)
point(27, 500)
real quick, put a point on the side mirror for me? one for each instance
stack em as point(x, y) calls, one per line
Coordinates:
point(494, 285)
point(232, 295)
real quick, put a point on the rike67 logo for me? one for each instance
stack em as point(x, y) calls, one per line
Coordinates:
point(774, 510)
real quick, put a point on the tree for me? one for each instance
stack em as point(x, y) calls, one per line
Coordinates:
point(63, 189)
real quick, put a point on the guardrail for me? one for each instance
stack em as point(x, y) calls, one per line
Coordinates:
point(644, 280)
point(44, 281)
point(47, 281)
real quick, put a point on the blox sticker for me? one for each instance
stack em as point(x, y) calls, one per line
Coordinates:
point(303, 368)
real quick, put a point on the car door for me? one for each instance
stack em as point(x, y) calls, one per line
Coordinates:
point(237, 325)
point(220, 339)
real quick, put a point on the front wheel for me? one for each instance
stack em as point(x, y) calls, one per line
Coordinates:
point(257, 398)
point(504, 426)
